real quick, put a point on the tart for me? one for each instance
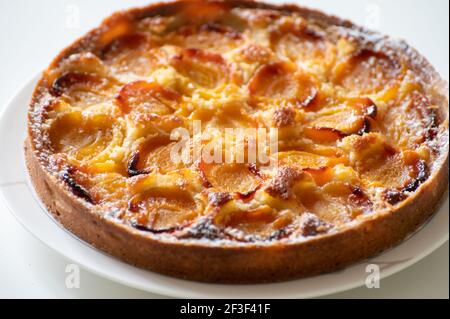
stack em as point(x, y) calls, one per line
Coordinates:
point(361, 157)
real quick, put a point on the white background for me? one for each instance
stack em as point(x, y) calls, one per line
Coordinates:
point(33, 32)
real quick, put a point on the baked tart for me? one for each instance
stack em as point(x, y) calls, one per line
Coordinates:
point(361, 125)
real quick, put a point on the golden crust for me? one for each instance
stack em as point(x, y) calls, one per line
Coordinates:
point(389, 181)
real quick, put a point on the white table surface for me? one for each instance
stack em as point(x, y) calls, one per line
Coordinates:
point(32, 32)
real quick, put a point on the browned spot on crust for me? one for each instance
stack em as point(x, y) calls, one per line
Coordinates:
point(280, 186)
point(226, 31)
point(311, 101)
point(67, 176)
point(253, 168)
point(365, 128)
point(145, 228)
point(393, 196)
point(312, 34)
point(421, 175)
point(372, 109)
point(254, 53)
point(311, 225)
point(202, 228)
point(132, 165)
point(279, 234)
point(284, 117)
point(428, 114)
point(360, 200)
point(247, 196)
point(219, 198)
point(200, 168)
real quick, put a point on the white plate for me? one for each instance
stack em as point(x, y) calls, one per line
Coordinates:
point(20, 198)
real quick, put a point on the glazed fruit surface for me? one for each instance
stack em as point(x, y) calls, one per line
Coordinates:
point(358, 132)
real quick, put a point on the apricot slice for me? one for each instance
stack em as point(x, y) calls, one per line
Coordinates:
point(390, 172)
point(272, 80)
point(161, 202)
point(429, 115)
point(204, 68)
point(368, 150)
point(127, 42)
point(331, 203)
point(230, 178)
point(153, 155)
point(108, 189)
point(321, 175)
point(411, 122)
point(251, 222)
point(367, 71)
point(73, 80)
point(79, 136)
point(147, 97)
point(281, 81)
point(323, 135)
point(199, 12)
point(337, 202)
point(355, 116)
point(303, 160)
point(246, 225)
point(214, 37)
point(418, 171)
point(331, 210)
point(161, 210)
point(308, 95)
point(84, 63)
point(381, 165)
point(299, 43)
point(363, 106)
point(344, 121)
point(116, 27)
point(132, 56)
point(259, 216)
point(82, 89)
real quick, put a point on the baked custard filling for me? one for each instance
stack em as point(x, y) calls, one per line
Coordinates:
point(357, 130)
